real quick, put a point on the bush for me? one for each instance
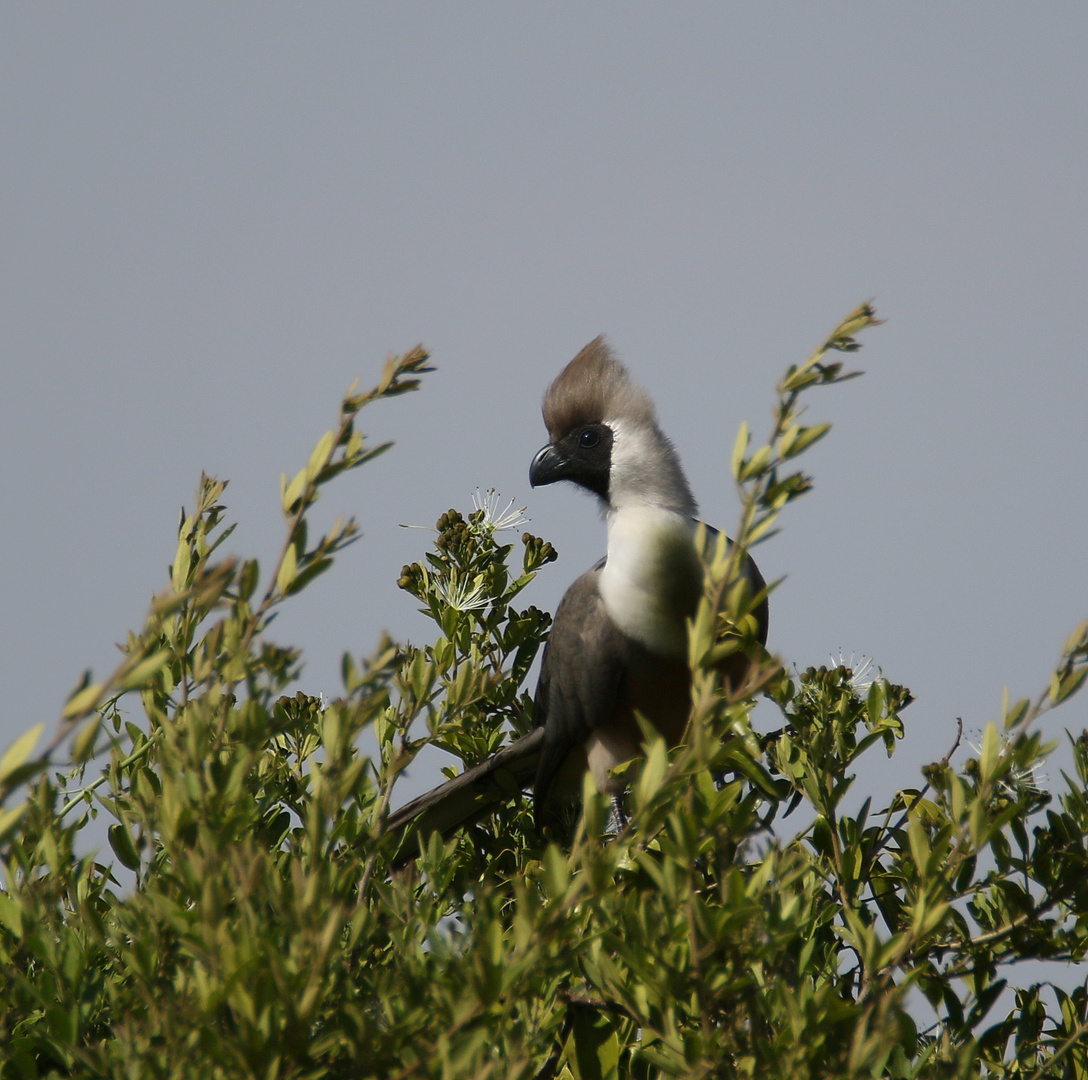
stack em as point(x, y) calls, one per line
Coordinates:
point(264, 929)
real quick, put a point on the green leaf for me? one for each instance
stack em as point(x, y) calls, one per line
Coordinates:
point(19, 751)
point(384, 729)
point(876, 702)
point(295, 490)
point(83, 743)
point(803, 438)
point(756, 464)
point(143, 672)
point(1077, 642)
point(321, 453)
point(740, 445)
point(11, 911)
point(301, 580)
point(9, 820)
point(596, 1045)
point(182, 561)
point(421, 675)
point(797, 378)
point(763, 529)
point(1067, 685)
point(123, 847)
point(738, 758)
point(927, 917)
point(919, 842)
point(286, 576)
point(247, 580)
point(991, 750)
point(652, 774)
point(82, 701)
point(1016, 713)
point(858, 319)
point(556, 872)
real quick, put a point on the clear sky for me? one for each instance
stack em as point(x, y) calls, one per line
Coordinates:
point(214, 217)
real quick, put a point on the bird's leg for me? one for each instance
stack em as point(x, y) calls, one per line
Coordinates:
point(617, 818)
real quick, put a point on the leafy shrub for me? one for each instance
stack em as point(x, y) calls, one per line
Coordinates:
point(260, 927)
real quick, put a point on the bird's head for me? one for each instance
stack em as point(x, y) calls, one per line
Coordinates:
point(605, 438)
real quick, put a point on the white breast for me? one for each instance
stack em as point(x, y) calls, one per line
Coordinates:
point(652, 576)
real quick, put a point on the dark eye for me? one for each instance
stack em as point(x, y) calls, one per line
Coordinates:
point(588, 438)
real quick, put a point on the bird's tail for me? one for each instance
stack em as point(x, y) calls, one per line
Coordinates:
point(466, 798)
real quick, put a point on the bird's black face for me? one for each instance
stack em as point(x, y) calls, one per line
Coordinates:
point(583, 455)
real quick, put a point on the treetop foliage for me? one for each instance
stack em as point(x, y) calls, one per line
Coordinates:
point(250, 918)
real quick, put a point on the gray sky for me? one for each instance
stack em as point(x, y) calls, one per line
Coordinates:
point(214, 217)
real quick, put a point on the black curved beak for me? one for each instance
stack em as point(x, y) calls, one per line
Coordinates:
point(548, 466)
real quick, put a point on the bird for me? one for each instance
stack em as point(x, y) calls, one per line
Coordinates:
point(618, 643)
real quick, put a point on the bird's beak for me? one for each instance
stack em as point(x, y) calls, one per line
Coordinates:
point(548, 466)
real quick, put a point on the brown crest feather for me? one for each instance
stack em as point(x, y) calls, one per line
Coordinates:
point(592, 389)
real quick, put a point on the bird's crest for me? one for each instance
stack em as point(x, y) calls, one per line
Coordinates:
point(594, 388)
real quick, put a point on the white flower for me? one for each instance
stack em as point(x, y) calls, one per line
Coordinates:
point(1018, 779)
point(494, 519)
point(861, 672)
point(461, 595)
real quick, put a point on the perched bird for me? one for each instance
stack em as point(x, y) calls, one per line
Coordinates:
point(618, 644)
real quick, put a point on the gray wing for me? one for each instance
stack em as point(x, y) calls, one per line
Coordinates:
point(581, 681)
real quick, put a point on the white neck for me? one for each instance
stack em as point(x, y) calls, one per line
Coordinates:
point(652, 579)
point(645, 471)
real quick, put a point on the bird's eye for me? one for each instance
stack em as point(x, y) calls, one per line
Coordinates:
point(588, 438)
